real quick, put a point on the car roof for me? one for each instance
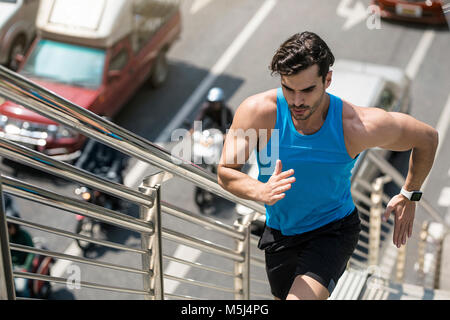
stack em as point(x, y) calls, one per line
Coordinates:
point(98, 23)
point(360, 83)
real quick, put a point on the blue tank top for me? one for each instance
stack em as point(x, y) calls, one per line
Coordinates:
point(321, 193)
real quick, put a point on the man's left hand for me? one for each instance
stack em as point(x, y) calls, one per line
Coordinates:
point(404, 211)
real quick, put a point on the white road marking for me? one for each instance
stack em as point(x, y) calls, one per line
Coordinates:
point(441, 127)
point(199, 5)
point(353, 15)
point(444, 198)
point(136, 173)
point(178, 269)
point(59, 268)
point(419, 54)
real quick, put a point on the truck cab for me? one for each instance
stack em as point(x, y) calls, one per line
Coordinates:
point(96, 54)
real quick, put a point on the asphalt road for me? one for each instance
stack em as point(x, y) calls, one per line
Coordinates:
point(214, 47)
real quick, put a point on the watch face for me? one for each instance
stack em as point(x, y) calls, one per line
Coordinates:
point(416, 196)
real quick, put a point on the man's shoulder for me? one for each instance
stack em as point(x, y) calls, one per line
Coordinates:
point(360, 117)
point(259, 110)
point(261, 104)
point(361, 125)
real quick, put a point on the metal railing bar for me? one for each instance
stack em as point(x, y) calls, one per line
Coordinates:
point(34, 97)
point(181, 297)
point(202, 244)
point(199, 283)
point(257, 262)
point(24, 155)
point(63, 256)
point(258, 280)
point(399, 180)
point(364, 233)
point(74, 236)
point(261, 295)
point(365, 223)
point(367, 186)
point(362, 210)
point(363, 244)
point(29, 299)
point(199, 265)
point(358, 195)
point(361, 253)
point(34, 276)
point(254, 240)
point(358, 165)
point(201, 220)
point(358, 263)
point(33, 193)
point(363, 183)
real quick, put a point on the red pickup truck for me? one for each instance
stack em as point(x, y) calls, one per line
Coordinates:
point(95, 54)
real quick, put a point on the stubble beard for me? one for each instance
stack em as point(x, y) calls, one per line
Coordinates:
point(309, 111)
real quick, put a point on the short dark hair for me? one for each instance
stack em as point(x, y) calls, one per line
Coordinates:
point(301, 51)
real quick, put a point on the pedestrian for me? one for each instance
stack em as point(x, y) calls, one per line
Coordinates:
point(307, 144)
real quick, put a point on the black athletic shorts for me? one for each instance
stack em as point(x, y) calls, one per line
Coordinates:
point(321, 254)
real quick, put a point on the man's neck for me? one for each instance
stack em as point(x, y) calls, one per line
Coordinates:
point(317, 119)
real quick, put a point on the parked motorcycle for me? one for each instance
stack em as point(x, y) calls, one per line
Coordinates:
point(41, 265)
point(107, 163)
point(37, 264)
point(33, 288)
point(91, 227)
point(206, 150)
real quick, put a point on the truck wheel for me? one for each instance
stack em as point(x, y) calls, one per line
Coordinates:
point(160, 70)
point(18, 47)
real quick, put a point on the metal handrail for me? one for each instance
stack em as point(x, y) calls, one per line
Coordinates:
point(36, 194)
point(399, 180)
point(22, 91)
point(376, 203)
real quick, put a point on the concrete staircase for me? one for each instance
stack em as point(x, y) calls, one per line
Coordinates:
point(359, 285)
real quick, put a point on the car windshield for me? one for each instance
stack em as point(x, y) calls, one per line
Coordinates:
point(66, 63)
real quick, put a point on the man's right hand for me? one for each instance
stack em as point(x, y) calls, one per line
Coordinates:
point(273, 190)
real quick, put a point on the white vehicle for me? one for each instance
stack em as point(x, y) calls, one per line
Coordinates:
point(365, 85)
point(17, 28)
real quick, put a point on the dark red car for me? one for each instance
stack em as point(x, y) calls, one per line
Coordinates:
point(429, 11)
point(95, 54)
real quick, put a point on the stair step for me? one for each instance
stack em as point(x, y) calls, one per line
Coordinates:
point(381, 289)
point(350, 285)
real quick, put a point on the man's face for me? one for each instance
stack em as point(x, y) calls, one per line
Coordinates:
point(304, 91)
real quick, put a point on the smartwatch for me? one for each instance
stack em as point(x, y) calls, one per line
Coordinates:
point(411, 195)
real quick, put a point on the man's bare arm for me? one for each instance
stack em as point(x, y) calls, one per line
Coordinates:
point(240, 141)
point(401, 132)
point(236, 151)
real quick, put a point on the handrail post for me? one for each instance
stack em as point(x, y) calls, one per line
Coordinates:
point(242, 269)
point(421, 250)
point(152, 261)
point(400, 264)
point(376, 210)
point(7, 290)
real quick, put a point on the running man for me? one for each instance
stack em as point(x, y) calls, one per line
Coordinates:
point(312, 140)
